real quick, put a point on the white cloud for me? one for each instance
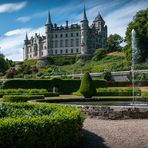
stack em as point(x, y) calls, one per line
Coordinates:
point(11, 7)
point(12, 42)
point(118, 20)
point(25, 19)
point(17, 32)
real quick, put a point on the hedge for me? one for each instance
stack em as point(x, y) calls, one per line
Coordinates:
point(144, 95)
point(114, 92)
point(21, 98)
point(27, 92)
point(39, 125)
point(126, 84)
point(117, 92)
point(64, 86)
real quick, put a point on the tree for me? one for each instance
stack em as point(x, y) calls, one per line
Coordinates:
point(113, 43)
point(87, 88)
point(4, 64)
point(140, 24)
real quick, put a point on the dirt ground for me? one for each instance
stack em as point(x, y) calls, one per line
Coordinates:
point(114, 133)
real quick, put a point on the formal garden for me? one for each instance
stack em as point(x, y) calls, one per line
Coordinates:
point(42, 107)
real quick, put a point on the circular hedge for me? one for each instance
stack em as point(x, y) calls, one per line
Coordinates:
point(39, 125)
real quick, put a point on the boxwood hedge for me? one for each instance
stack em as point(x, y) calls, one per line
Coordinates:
point(64, 86)
point(27, 92)
point(21, 98)
point(114, 92)
point(39, 125)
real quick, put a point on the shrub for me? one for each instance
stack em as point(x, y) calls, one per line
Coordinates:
point(39, 125)
point(107, 75)
point(87, 88)
point(21, 98)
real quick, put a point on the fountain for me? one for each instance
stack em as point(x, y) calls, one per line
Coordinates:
point(134, 55)
point(134, 52)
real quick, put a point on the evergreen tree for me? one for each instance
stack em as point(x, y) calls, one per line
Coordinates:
point(87, 88)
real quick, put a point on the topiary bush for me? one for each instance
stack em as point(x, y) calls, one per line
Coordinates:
point(87, 88)
point(39, 125)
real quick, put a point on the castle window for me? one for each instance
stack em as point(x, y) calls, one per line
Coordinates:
point(77, 50)
point(61, 51)
point(61, 43)
point(51, 44)
point(66, 35)
point(61, 35)
point(71, 43)
point(66, 43)
point(66, 50)
point(55, 51)
point(77, 34)
point(71, 50)
point(56, 35)
point(56, 43)
point(42, 53)
point(77, 42)
point(45, 47)
point(71, 34)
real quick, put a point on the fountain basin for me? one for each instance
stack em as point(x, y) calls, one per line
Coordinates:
point(96, 108)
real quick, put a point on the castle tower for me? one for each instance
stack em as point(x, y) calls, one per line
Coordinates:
point(84, 34)
point(25, 48)
point(48, 31)
point(101, 28)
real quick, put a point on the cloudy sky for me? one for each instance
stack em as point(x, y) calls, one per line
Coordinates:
point(20, 16)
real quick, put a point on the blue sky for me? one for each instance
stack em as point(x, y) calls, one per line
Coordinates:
point(21, 16)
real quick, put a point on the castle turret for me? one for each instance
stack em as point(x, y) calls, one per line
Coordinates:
point(84, 34)
point(48, 31)
point(25, 48)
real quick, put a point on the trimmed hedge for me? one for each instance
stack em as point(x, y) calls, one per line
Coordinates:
point(39, 125)
point(126, 84)
point(114, 92)
point(21, 98)
point(64, 86)
point(27, 92)
point(144, 95)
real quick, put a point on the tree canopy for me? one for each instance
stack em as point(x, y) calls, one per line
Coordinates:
point(140, 24)
point(4, 64)
point(113, 43)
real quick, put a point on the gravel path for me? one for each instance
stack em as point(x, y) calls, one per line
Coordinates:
point(115, 133)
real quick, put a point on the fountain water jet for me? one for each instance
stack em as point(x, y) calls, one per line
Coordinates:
point(134, 52)
point(134, 55)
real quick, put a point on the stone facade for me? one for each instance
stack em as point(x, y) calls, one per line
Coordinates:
point(67, 40)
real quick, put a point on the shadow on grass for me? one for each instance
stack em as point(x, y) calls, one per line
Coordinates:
point(91, 140)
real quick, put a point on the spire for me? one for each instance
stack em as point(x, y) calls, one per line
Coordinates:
point(48, 18)
point(84, 14)
point(26, 38)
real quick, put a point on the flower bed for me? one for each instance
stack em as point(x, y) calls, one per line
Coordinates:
point(39, 125)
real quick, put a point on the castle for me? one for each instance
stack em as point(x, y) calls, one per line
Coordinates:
point(71, 39)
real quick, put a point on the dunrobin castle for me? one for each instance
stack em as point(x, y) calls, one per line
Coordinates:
point(71, 39)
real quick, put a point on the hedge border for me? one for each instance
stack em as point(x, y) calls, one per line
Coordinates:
point(59, 130)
